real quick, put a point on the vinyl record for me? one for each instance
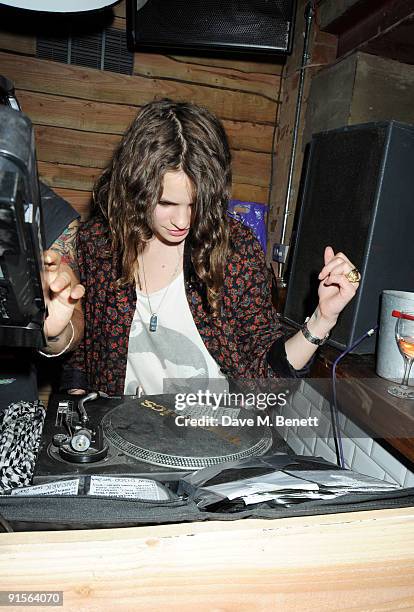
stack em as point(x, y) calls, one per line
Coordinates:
point(151, 430)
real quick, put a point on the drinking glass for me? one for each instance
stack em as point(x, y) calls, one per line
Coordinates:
point(404, 335)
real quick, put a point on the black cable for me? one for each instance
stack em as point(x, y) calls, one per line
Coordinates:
point(334, 406)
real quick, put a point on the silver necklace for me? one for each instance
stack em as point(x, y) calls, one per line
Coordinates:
point(154, 317)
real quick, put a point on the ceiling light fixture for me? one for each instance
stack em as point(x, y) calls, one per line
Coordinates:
point(59, 6)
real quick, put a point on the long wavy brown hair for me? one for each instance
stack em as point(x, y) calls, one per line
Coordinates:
point(168, 136)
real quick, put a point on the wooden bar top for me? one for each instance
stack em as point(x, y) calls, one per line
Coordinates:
point(362, 396)
point(347, 561)
point(351, 561)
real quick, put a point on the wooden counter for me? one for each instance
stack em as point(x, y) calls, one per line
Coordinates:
point(362, 396)
point(351, 561)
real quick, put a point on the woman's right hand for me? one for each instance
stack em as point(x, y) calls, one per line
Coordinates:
point(76, 391)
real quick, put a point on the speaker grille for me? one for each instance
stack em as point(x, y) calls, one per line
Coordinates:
point(358, 197)
point(233, 24)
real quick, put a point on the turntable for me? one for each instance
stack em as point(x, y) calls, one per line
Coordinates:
point(145, 436)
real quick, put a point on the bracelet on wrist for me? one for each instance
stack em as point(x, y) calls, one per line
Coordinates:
point(64, 349)
point(310, 338)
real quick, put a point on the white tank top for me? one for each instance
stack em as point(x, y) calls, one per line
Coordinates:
point(172, 358)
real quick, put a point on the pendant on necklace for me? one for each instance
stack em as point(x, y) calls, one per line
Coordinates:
point(153, 323)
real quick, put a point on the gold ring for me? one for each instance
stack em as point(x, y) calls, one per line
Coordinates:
point(354, 276)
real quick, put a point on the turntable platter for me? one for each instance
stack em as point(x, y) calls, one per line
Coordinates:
point(150, 430)
point(148, 435)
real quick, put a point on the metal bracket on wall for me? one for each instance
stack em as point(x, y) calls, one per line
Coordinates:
point(309, 15)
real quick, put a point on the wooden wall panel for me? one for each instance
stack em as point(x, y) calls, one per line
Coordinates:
point(119, 9)
point(45, 76)
point(249, 193)
point(77, 114)
point(46, 109)
point(118, 24)
point(63, 177)
point(67, 176)
point(74, 147)
point(238, 65)
point(78, 148)
point(18, 43)
point(80, 113)
point(78, 180)
point(159, 66)
point(253, 168)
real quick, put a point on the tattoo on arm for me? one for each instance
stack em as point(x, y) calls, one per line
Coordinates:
point(66, 245)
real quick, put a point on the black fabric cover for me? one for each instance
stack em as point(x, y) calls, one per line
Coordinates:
point(57, 214)
point(61, 512)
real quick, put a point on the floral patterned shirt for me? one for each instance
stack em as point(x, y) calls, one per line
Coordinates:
point(247, 340)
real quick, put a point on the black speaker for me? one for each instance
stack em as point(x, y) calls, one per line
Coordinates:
point(358, 197)
point(246, 26)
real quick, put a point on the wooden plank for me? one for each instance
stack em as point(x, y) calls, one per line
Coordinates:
point(119, 24)
point(119, 9)
point(94, 151)
point(250, 193)
point(74, 147)
point(335, 15)
point(163, 66)
point(249, 136)
point(19, 43)
point(324, 87)
point(364, 560)
point(383, 28)
point(67, 176)
point(372, 89)
point(259, 67)
point(382, 90)
point(46, 109)
point(34, 74)
point(252, 168)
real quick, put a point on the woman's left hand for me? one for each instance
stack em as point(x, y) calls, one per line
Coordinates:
point(335, 290)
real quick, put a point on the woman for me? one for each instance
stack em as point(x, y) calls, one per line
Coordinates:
point(175, 289)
